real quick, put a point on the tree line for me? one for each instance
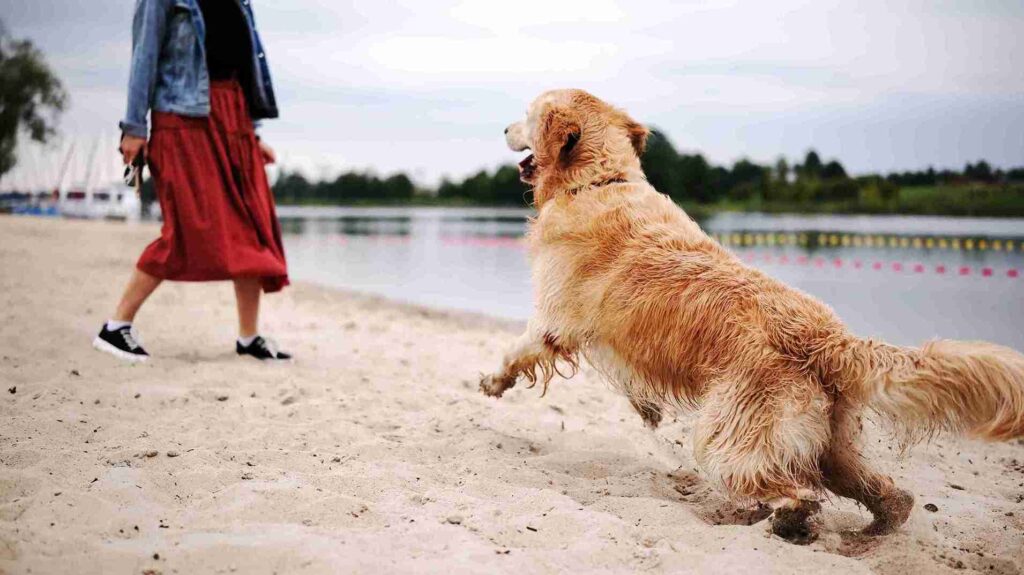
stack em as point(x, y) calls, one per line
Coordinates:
point(813, 184)
point(348, 188)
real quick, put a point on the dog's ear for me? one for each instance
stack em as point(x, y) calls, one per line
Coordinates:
point(559, 133)
point(637, 136)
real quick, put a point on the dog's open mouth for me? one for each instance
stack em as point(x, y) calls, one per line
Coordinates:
point(526, 169)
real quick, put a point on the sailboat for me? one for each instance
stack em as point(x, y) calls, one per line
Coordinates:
point(27, 189)
point(56, 180)
point(101, 194)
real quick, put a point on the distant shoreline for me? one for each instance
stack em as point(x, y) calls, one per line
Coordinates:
point(701, 211)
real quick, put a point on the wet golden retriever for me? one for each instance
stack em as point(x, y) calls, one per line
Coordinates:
point(626, 280)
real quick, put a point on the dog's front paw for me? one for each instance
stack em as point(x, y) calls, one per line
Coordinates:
point(495, 385)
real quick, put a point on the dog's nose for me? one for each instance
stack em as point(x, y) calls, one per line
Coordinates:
point(506, 131)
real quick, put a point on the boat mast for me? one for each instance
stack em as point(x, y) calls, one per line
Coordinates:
point(64, 170)
point(88, 187)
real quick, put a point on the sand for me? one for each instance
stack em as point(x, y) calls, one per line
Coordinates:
point(374, 451)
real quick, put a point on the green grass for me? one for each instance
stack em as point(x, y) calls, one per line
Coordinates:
point(973, 200)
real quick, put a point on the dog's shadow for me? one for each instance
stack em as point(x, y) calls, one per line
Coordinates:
point(632, 477)
point(596, 474)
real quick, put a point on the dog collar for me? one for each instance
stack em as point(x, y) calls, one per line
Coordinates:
point(597, 184)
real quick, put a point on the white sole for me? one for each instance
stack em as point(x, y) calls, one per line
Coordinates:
point(268, 361)
point(105, 347)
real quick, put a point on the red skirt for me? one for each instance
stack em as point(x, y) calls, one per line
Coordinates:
point(219, 216)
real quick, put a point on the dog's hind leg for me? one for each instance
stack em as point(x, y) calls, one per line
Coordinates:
point(535, 355)
point(761, 436)
point(847, 475)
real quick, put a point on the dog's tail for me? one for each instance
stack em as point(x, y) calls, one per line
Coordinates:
point(972, 388)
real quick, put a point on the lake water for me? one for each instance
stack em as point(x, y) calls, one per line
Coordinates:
point(903, 279)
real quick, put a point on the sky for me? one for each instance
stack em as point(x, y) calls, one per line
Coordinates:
point(427, 86)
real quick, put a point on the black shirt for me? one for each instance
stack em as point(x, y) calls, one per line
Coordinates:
point(228, 45)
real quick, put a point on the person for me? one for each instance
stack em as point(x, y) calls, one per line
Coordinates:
point(200, 68)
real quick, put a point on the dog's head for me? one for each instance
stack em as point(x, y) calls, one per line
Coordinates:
point(576, 140)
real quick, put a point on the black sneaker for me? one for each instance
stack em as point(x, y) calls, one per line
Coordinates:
point(120, 343)
point(261, 349)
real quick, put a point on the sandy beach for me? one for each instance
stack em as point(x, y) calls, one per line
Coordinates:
point(374, 451)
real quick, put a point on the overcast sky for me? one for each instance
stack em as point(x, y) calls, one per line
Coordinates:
point(427, 86)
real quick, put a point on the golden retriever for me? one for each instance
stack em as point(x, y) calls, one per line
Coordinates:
point(626, 280)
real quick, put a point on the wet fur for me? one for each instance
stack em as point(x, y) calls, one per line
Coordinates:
point(625, 279)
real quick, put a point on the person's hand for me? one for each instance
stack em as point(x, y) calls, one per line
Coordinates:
point(131, 147)
point(267, 152)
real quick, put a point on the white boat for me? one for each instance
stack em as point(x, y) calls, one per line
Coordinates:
point(52, 180)
point(102, 194)
point(117, 202)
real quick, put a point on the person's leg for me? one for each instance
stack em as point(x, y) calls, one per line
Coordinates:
point(247, 297)
point(250, 342)
point(117, 336)
point(140, 286)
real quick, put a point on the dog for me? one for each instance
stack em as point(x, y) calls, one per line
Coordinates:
point(625, 280)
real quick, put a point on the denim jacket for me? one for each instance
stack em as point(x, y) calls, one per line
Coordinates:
point(168, 69)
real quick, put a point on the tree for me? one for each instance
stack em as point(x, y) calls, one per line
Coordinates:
point(833, 171)
point(508, 189)
point(447, 189)
point(980, 172)
point(811, 168)
point(31, 97)
point(398, 187)
point(660, 164)
point(782, 171)
point(695, 179)
point(291, 188)
point(747, 180)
